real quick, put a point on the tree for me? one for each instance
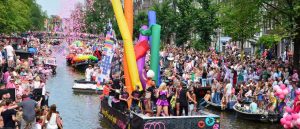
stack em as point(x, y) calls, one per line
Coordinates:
point(240, 19)
point(285, 14)
point(20, 16)
point(184, 21)
point(140, 19)
point(97, 17)
point(269, 40)
point(166, 18)
point(205, 23)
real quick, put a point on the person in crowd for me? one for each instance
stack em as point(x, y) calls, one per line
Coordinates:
point(9, 116)
point(207, 98)
point(184, 98)
point(124, 97)
point(116, 103)
point(135, 96)
point(53, 120)
point(253, 106)
point(89, 73)
point(192, 105)
point(162, 102)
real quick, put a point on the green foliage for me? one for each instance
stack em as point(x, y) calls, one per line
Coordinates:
point(166, 18)
point(140, 19)
point(20, 16)
point(269, 40)
point(97, 18)
point(285, 15)
point(240, 19)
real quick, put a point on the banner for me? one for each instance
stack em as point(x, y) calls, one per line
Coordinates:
point(116, 119)
point(50, 61)
point(107, 56)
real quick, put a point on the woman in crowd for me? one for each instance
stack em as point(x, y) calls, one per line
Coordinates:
point(162, 102)
point(53, 120)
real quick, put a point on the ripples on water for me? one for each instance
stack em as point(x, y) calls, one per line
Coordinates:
point(77, 110)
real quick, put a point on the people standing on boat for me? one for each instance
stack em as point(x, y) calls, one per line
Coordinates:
point(89, 73)
point(162, 102)
point(184, 98)
point(253, 106)
point(228, 90)
point(192, 105)
point(124, 97)
point(116, 103)
point(135, 95)
point(272, 102)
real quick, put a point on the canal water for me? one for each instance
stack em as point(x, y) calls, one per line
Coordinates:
point(80, 111)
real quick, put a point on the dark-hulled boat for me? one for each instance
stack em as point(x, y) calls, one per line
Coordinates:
point(215, 106)
point(262, 117)
point(82, 66)
point(130, 120)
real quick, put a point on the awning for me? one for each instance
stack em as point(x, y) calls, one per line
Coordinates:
point(225, 39)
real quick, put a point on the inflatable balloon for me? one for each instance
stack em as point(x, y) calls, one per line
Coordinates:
point(282, 121)
point(142, 56)
point(298, 92)
point(128, 12)
point(128, 46)
point(141, 64)
point(152, 39)
point(276, 87)
point(279, 91)
point(155, 46)
point(151, 21)
point(298, 121)
point(288, 118)
point(288, 109)
point(282, 86)
point(295, 116)
point(281, 96)
point(285, 91)
point(141, 49)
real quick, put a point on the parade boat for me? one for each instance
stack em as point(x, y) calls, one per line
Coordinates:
point(262, 116)
point(216, 106)
point(82, 86)
point(82, 66)
point(131, 120)
point(81, 62)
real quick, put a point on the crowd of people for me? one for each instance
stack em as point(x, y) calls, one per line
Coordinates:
point(230, 75)
point(24, 99)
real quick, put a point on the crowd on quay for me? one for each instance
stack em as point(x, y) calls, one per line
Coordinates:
point(230, 75)
point(24, 100)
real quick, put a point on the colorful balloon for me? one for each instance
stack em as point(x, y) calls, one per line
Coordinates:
point(128, 46)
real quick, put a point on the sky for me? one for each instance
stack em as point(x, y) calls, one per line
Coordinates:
point(58, 7)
